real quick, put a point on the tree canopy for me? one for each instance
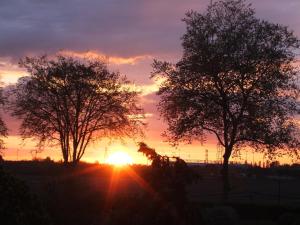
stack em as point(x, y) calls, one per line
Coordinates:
point(73, 102)
point(236, 80)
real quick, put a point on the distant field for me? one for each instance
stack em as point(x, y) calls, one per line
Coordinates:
point(267, 189)
point(89, 193)
point(249, 190)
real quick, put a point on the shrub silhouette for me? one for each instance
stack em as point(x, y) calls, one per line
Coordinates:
point(17, 205)
point(169, 175)
point(145, 210)
point(220, 215)
point(139, 210)
point(289, 219)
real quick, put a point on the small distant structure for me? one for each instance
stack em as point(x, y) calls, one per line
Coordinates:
point(48, 160)
point(206, 156)
point(220, 151)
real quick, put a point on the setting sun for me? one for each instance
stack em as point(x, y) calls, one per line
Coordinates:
point(119, 159)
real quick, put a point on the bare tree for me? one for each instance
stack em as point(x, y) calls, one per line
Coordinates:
point(236, 80)
point(73, 102)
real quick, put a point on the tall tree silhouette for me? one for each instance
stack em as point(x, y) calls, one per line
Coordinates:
point(3, 128)
point(73, 102)
point(235, 80)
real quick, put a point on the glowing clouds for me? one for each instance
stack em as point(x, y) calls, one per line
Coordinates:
point(109, 59)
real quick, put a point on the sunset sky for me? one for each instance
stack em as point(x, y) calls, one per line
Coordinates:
point(131, 33)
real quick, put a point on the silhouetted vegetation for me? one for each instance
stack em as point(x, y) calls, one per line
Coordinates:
point(3, 128)
point(73, 102)
point(236, 80)
point(18, 206)
point(169, 176)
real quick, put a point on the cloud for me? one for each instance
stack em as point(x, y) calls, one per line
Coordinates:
point(116, 60)
point(128, 31)
point(10, 72)
point(147, 89)
point(116, 27)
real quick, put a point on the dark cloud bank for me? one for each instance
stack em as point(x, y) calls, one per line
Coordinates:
point(118, 27)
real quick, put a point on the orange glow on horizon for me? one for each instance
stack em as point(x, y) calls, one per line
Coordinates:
point(116, 183)
point(119, 158)
point(17, 150)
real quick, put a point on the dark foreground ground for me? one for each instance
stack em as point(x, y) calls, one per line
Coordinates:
point(98, 194)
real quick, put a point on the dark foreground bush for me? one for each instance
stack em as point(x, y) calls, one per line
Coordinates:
point(17, 205)
point(220, 215)
point(289, 219)
point(144, 210)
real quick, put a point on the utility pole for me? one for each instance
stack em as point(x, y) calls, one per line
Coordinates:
point(219, 153)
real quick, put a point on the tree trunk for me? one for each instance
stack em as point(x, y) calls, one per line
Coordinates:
point(75, 162)
point(74, 154)
point(225, 174)
point(65, 155)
